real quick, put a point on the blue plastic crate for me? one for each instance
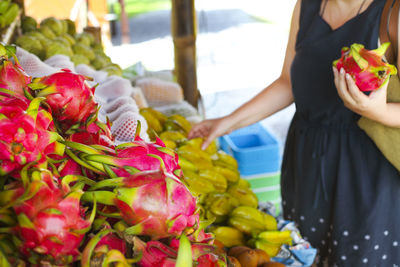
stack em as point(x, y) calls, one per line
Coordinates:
point(254, 148)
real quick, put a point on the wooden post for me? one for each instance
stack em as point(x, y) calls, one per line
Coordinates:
point(183, 28)
point(124, 24)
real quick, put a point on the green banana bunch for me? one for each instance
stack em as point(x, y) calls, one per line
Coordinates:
point(228, 236)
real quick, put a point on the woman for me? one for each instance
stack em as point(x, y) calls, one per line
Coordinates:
point(336, 185)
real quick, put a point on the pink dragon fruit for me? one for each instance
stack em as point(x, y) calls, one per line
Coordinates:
point(157, 253)
point(154, 203)
point(12, 76)
point(139, 155)
point(95, 133)
point(103, 248)
point(51, 223)
point(365, 66)
point(69, 97)
point(26, 134)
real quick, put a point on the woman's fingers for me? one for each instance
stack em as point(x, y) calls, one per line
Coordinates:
point(359, 97)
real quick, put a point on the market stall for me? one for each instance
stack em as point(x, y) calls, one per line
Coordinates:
point(98, 169)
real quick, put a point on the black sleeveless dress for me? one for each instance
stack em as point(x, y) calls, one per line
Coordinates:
point(336, 185)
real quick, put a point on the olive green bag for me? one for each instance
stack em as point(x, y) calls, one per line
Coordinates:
point(386, 138)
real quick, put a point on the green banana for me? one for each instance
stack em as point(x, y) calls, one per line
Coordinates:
point(229, 236)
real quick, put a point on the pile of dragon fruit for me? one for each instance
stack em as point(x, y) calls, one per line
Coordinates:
point(70, 197)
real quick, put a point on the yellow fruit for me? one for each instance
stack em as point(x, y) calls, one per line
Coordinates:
point(197, 185)
point(271, 249)
point(246, 226)
point(275, 237)
point(223, 205)
point(225, 160)
point(159, 115)
point(230, 175)
point(181, 121)
point(248, 213)
point(186, 164)
point(195, 142)
point(220, 183)
point(242, 183)
point(270, 222)
point(229, 236)
point(245, 196)
point(175, 136)
point(152, 121)
point(193, 152)
point(169, 143)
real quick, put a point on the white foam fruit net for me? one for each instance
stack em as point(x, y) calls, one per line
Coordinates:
point(60, 62)
point(122, 109)
point(159, 91)
point(113, 93)
point(32, 65)
point(116, 103)
point(113, 88)
point(124, 127)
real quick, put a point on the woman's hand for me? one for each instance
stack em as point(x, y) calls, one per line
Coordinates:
point(210, 129)
point(372, 106)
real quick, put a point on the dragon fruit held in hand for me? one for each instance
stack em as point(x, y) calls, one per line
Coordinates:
point(366, 67)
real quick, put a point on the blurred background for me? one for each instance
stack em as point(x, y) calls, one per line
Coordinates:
point(240, 48)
